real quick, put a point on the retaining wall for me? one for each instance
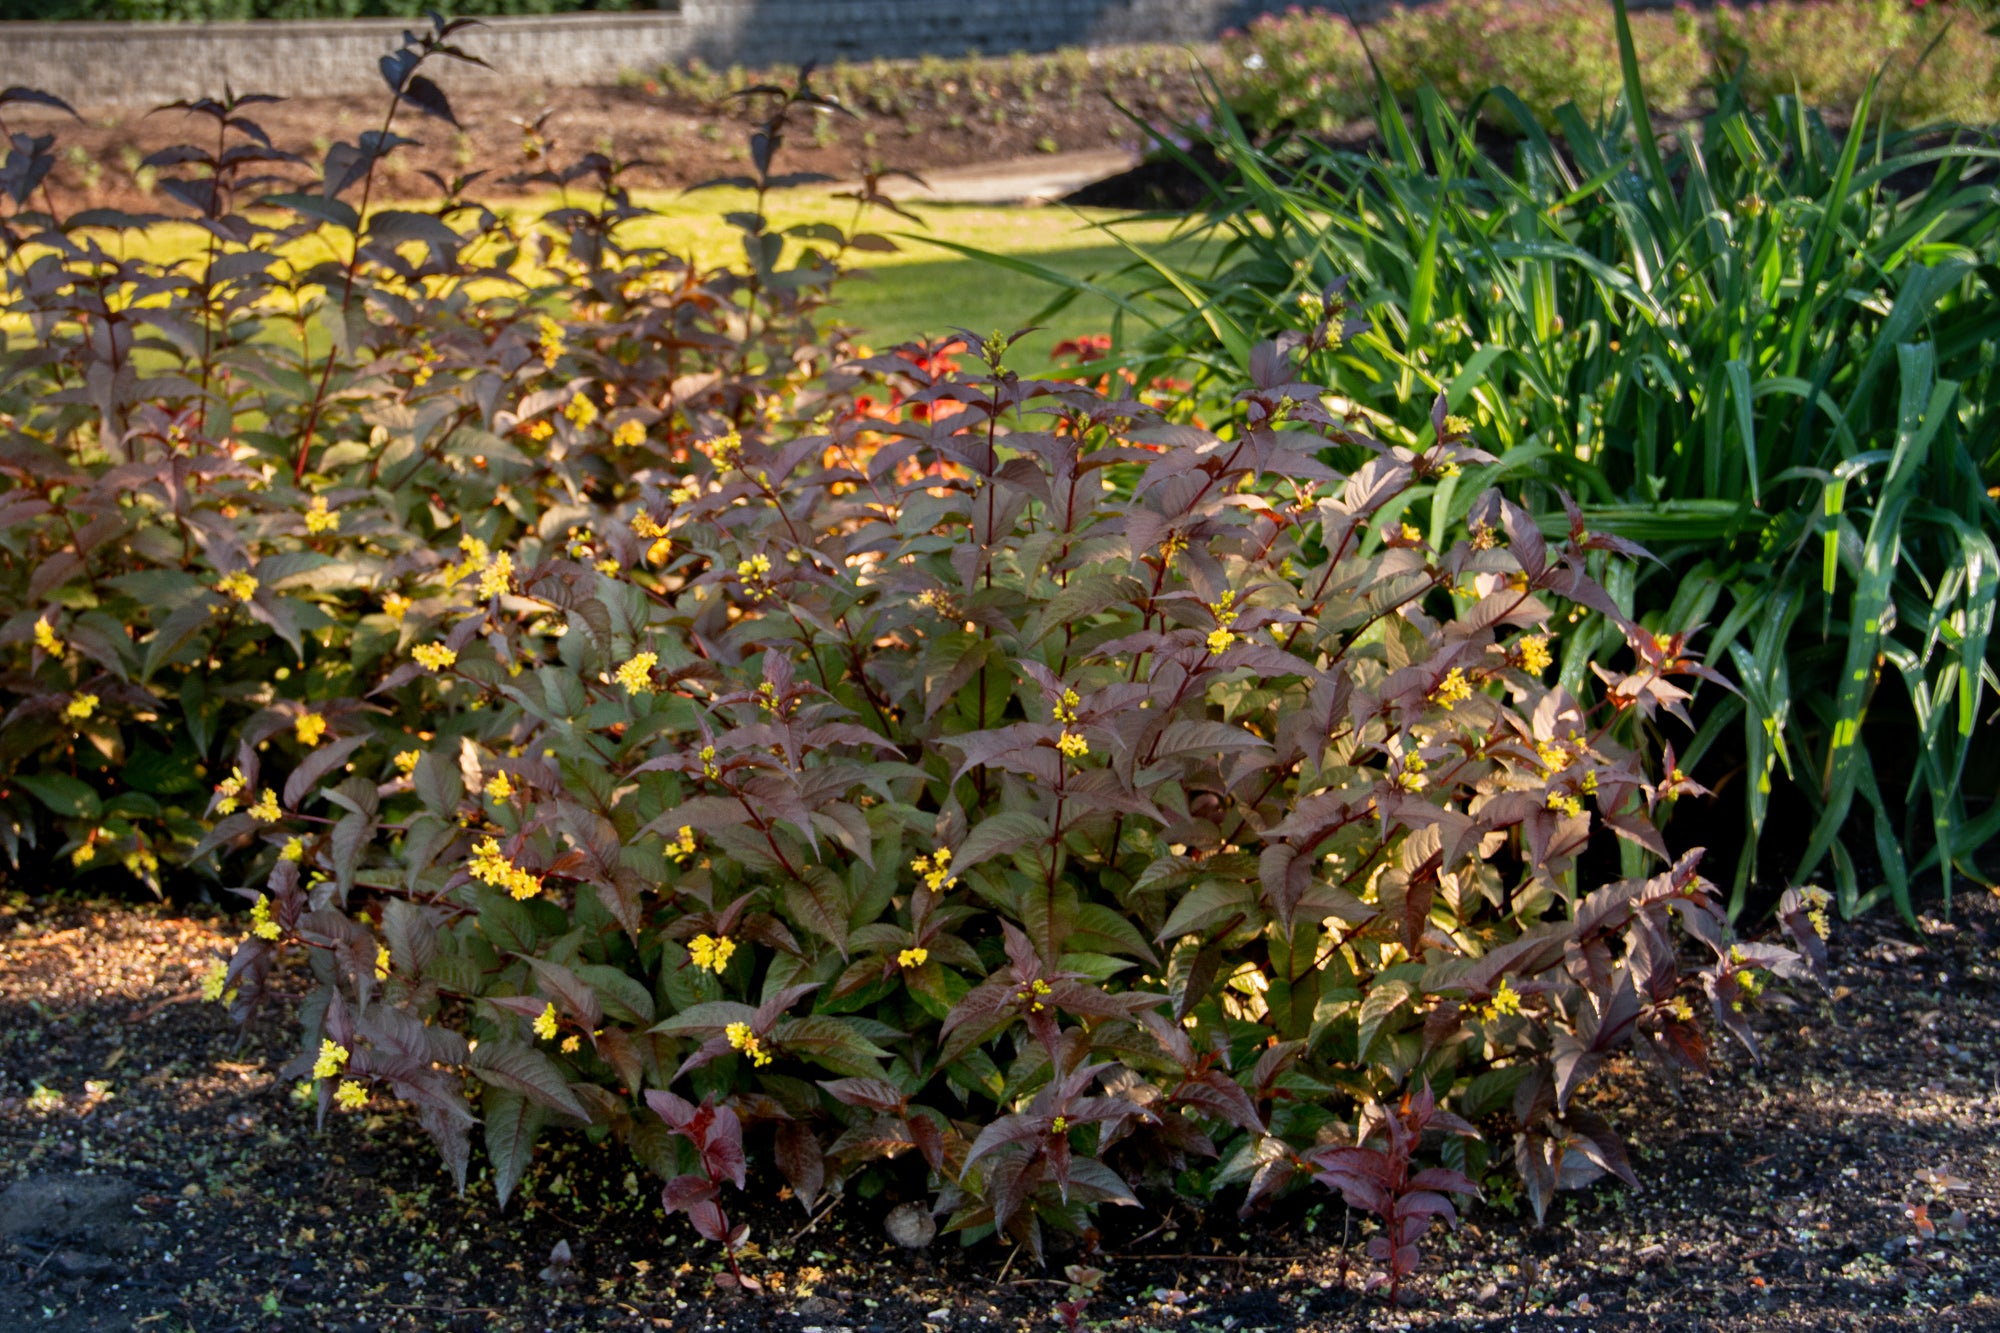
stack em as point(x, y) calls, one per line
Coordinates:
point(145, 64)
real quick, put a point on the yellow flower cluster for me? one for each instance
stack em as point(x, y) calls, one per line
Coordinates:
point(1816, 900)
point(1412, 778)
point(1535, 656)
point(1452, 691)
point(396, 605)
point(1564, 804)
point(229, 789)
point(434, 656)
point(709, 768)
point(1224, 611)
point(1174, 544)
point(726, 451)
point(350, 1095)
point(293, 850)
point(682, 847)
point(1681, 1009)
point(266, 810)
point(581, 412)
point(1034, 995)
point(630, 434)
point(936, 870)
point(551, 341)
point(1555, 756)
point(141, 862)
point(498, 574)
point(46, 640)
point(1065, 709)
point(1454, 425)
point(1073, 745)
point(645, 526)
point(683, 493)
point(382, 960)
point(406, 761)
point(743, 1039)
point(310, 728)
point(752, 572)
point(319, 519)
point(711, 953)
point(1506, 1000)
point(540, 431)
point(637, 674)
point(489, 865)
point(1410, 533)
point(1059, 1125)
point(213, 980)
point(241, 586)
point(80, 707)
point(332, 1059)
point(499, 787)
point(545, 1024)
point(913, 957)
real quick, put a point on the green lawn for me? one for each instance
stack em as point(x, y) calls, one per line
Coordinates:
point(920, 289)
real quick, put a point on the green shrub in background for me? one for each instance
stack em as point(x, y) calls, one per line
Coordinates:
point(643, 719)
point(1769, 353)
point(1311, 70)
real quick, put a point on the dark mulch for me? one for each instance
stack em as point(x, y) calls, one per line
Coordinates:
point(158, 1177)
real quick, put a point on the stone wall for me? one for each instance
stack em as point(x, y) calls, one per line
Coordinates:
point(144, 64)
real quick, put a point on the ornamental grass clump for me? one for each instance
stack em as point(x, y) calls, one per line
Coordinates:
point(868, 759)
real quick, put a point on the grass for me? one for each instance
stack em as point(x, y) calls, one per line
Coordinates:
point(921, 289)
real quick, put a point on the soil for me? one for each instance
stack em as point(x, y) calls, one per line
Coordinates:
point(681, 140)
point(157, 1175)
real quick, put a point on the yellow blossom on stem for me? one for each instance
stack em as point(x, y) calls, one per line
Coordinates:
point(644, 525)
point(319, 519)
point(540, 431)
point(310, 728)
point(1535, 656)
point(293, 850)
point(1219, 641)
point(682, 847)
point(545, 1024)
point(213, 979)
point(630, 433)
point(1452, 691)
point(1506, 1000)
point(350, 1096)
point(80, 707)
point(1564, 804)
point(434, 656)
point(551, 337)
point(936, 870)
point(581, 412)
point(1059, 1125)
point(396, 605)
point(240, 586)
point(709, 768)
point(571, 1043)
point(709, 953)
point(266, 810)
point(743, 1039)
point(332, 1059)
point(1065, 708)
point(1680, 1008)
point(489, 865)
point(637, 674)
point(1073, 745)
point(406, 761)
point(913, 957)
point(381, 962)
point(1555, 756)
point(46, 640)
point(726, 450)
point(228, 789)
point(497, 576)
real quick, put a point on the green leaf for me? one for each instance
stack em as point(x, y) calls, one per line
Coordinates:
point(67, 796)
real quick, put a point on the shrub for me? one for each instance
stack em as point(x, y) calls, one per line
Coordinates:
point(641, 717)
point(1011, 778)
point(1310, 70)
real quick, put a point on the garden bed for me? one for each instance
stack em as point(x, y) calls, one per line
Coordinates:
point(1778, 1198)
